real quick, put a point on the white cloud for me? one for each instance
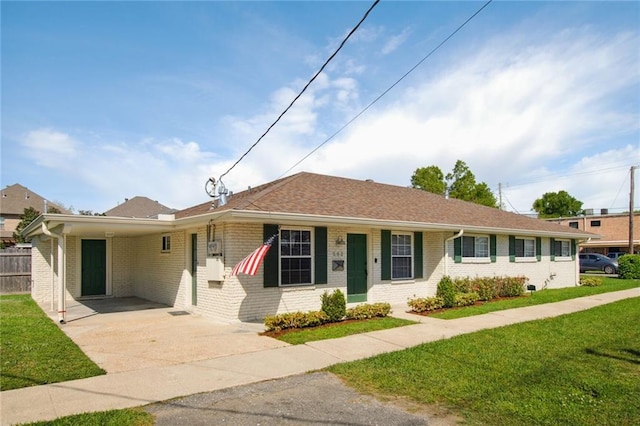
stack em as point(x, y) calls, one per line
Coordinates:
point(50, 148)
point(395, 41)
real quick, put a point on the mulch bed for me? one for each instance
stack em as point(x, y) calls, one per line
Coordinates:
point(478, 303)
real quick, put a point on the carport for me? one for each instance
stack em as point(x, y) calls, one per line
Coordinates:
point(125, 334)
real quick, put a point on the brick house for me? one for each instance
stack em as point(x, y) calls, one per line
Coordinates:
point(613, 230)
point(374, 242)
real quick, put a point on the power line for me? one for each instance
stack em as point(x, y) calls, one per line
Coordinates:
point(388, 89)
point(375, 3)
point(558, 175)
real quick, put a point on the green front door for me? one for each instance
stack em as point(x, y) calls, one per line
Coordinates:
point(356, 268)
point(194, 269)
point(94, 268)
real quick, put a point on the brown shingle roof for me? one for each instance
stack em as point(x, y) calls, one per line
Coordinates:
point(16, 198)
point(321, 195)
point(140, 207)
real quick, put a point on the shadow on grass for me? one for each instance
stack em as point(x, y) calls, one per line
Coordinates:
point(634, 357)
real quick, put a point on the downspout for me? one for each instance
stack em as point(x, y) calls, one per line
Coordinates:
point(446, 250)
point(61, 269)
point(53, 281)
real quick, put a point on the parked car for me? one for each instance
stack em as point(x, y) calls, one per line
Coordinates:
point(597, 262)
point(615, 255)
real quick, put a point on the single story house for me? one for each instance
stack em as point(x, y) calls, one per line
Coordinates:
point(374, 242)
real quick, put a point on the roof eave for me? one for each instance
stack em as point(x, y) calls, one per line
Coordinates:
point(251, 215)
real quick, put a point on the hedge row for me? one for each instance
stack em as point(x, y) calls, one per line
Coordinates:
point(629, 266)
point(457, 292)
point(333, 310)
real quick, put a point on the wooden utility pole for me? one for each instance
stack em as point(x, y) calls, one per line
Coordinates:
point(631, 207)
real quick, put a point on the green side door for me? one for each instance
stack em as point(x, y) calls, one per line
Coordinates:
point(356, 268)
point(94, 268)
point(194, 269)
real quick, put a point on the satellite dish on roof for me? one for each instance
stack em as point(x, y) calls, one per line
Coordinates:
point(216, 190)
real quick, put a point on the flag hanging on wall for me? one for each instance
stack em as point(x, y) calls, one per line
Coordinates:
point(250, 264)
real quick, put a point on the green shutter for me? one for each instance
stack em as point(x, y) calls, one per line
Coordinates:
point(457, 250)
point(417, 255)
point(493, 247)
point(385, 254)
point(539, 248)
point(573, 249)
point(270, 262)
point(512, 248)
point(320, 254)
point(552, 251)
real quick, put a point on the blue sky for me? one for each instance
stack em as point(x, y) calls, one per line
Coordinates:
point(103, 101)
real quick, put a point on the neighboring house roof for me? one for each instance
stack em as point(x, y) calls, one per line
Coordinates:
point(15, 198)
point(141, 207)
point(307, 194)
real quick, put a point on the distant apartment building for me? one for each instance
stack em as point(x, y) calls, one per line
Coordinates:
point(613, 229)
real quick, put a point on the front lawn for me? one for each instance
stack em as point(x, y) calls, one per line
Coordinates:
point(338, 329)
point(582, 368)
point(538, 298)
point(126, 417)
point(33, 350)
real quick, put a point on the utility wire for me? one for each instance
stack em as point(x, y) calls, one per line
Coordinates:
point(375, 3)
point(388, 89)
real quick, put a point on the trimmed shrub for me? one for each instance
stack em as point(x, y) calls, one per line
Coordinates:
point(465, 299)
point(446, 290)
point(485, 288)
point(511, 286)
point(590, 281)
point(334, 305)
point(367, 311)
point(295, 320)
point(424, 304)
point(629, 266)
point(463, 285)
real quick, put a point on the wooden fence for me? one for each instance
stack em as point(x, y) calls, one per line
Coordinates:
point(15, 270)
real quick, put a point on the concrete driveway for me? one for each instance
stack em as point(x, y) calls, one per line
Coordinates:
point(126, 334)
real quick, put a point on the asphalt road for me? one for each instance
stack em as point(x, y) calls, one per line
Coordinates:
point(308, 399)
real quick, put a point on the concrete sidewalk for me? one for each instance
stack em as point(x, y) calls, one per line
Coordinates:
point(140, 387)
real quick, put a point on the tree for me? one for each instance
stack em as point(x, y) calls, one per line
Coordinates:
point(29, 215)
point(460, 183)
point(430, 179)
point(557, 204)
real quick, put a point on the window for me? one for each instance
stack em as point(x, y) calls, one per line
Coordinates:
point(295, 256)
point(475, 246)
point(401, 256)
point(595, 223)
point(525, 247)
point(562, 248)
point(166, 243)
point(573, 225)
point(1, 223)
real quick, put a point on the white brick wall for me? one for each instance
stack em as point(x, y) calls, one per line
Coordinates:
point(139, 268)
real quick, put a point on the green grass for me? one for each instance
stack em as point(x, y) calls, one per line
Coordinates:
point(332, 331)
point(33, 350)
point(540, 297)
point(127, 417)
point(582, 368)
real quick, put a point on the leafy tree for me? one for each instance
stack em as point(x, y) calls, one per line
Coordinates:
point(429, 179)
point(557, 204)
point(460, 183)
point(90, 213)
point(29, 215)
point(53, 209)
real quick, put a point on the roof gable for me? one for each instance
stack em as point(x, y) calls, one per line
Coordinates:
point(15, 198)
point(140, 207)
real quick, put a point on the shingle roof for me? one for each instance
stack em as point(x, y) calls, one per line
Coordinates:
point(140, 207)
point(321, 195)
point(15, 198)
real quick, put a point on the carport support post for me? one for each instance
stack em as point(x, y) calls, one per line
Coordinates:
point(62, 238)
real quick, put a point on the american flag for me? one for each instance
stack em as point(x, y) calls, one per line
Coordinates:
point(250, 264)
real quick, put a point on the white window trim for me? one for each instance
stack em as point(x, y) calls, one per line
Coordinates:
point(562, 258)
point(312, 257)
point(163, 249)
point(532, 258)
point(475, 258)
point(411, 256)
